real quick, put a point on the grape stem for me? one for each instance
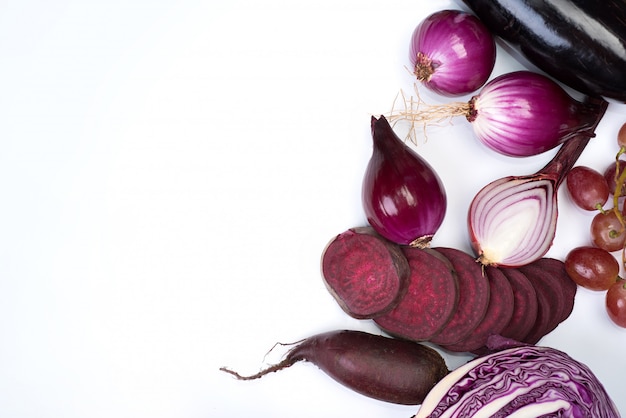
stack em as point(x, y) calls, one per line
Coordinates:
point(620, 178)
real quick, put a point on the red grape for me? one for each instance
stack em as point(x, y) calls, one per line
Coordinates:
point(607, 232)
point(587, 187)
point(616, 302)
point(621, 136)
point(592, 268)
point(609, 175)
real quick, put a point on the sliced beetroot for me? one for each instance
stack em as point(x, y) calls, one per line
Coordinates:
point(366, 274)
point(525, 305)
point(549, 303)
point(567, 285)
point(473, 297)
point(498, 315)
point(430, 301)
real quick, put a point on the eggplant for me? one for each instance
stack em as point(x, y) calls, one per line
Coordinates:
point(581, 43)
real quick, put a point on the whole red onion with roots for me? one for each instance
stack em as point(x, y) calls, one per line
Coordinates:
point(517, 114)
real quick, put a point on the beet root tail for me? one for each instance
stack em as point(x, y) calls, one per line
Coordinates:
point(274, 368)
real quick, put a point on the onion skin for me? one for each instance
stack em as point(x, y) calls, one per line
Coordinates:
point(517, 114)
point(520, 381)
point(524, 113)
point(402, 195)
point(452, 52)
point(512, 220)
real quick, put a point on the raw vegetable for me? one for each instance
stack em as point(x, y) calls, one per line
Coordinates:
point(512, 220)
point(366, 274)
point(581, 43)
point(555, 292)
point(519, 381)
point(451, 299)
point(549, 303)
point(379, 367)
point(452, 52)
point(525, 305)
point(499, 313)
point(402, 195)
point(567, 288)
point(517, 114)
point(430, 301)
point(473, 297)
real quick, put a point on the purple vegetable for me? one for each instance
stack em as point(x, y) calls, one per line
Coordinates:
point(517, 114)
point(525, 113)
point(452, 52)
point(367, 274)
point(403, 197)
point(581, 43)
point(512, 220)
point(387, 369)
point(521, 381)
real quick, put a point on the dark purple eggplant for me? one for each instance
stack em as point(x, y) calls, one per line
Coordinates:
point(581, 43)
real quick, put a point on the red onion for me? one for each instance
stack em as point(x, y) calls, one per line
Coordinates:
point(403, 197)
point(452, 52)
point(512, 220)
point(518, 114)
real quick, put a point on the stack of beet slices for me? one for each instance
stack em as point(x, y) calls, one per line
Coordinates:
point(445, 297)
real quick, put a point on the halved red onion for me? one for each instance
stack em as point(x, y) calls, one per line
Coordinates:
point(452, 52)
point(402, 195)
point(512, 220)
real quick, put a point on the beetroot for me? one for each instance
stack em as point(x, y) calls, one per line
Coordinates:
point(568, 287)
point(551, 302)
point(387, 369)
point(473, 297)
point(498, 315)
point(430, 301)
point(366, 274)
point(546, 308)
point(525, 305)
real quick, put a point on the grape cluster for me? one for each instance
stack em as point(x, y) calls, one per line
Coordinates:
point(595, 266)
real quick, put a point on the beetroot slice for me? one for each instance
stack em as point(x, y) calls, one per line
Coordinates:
point(365, 273)
point(568, 287)
point(544, 282)
point(525, 305)
point(429, 302)
point(498, 315)
point(547, 305)
point(473, 297)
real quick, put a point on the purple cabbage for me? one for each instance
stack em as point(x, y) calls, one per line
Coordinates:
point(523, 381)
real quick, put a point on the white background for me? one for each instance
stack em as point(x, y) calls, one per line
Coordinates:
point(170, 172)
